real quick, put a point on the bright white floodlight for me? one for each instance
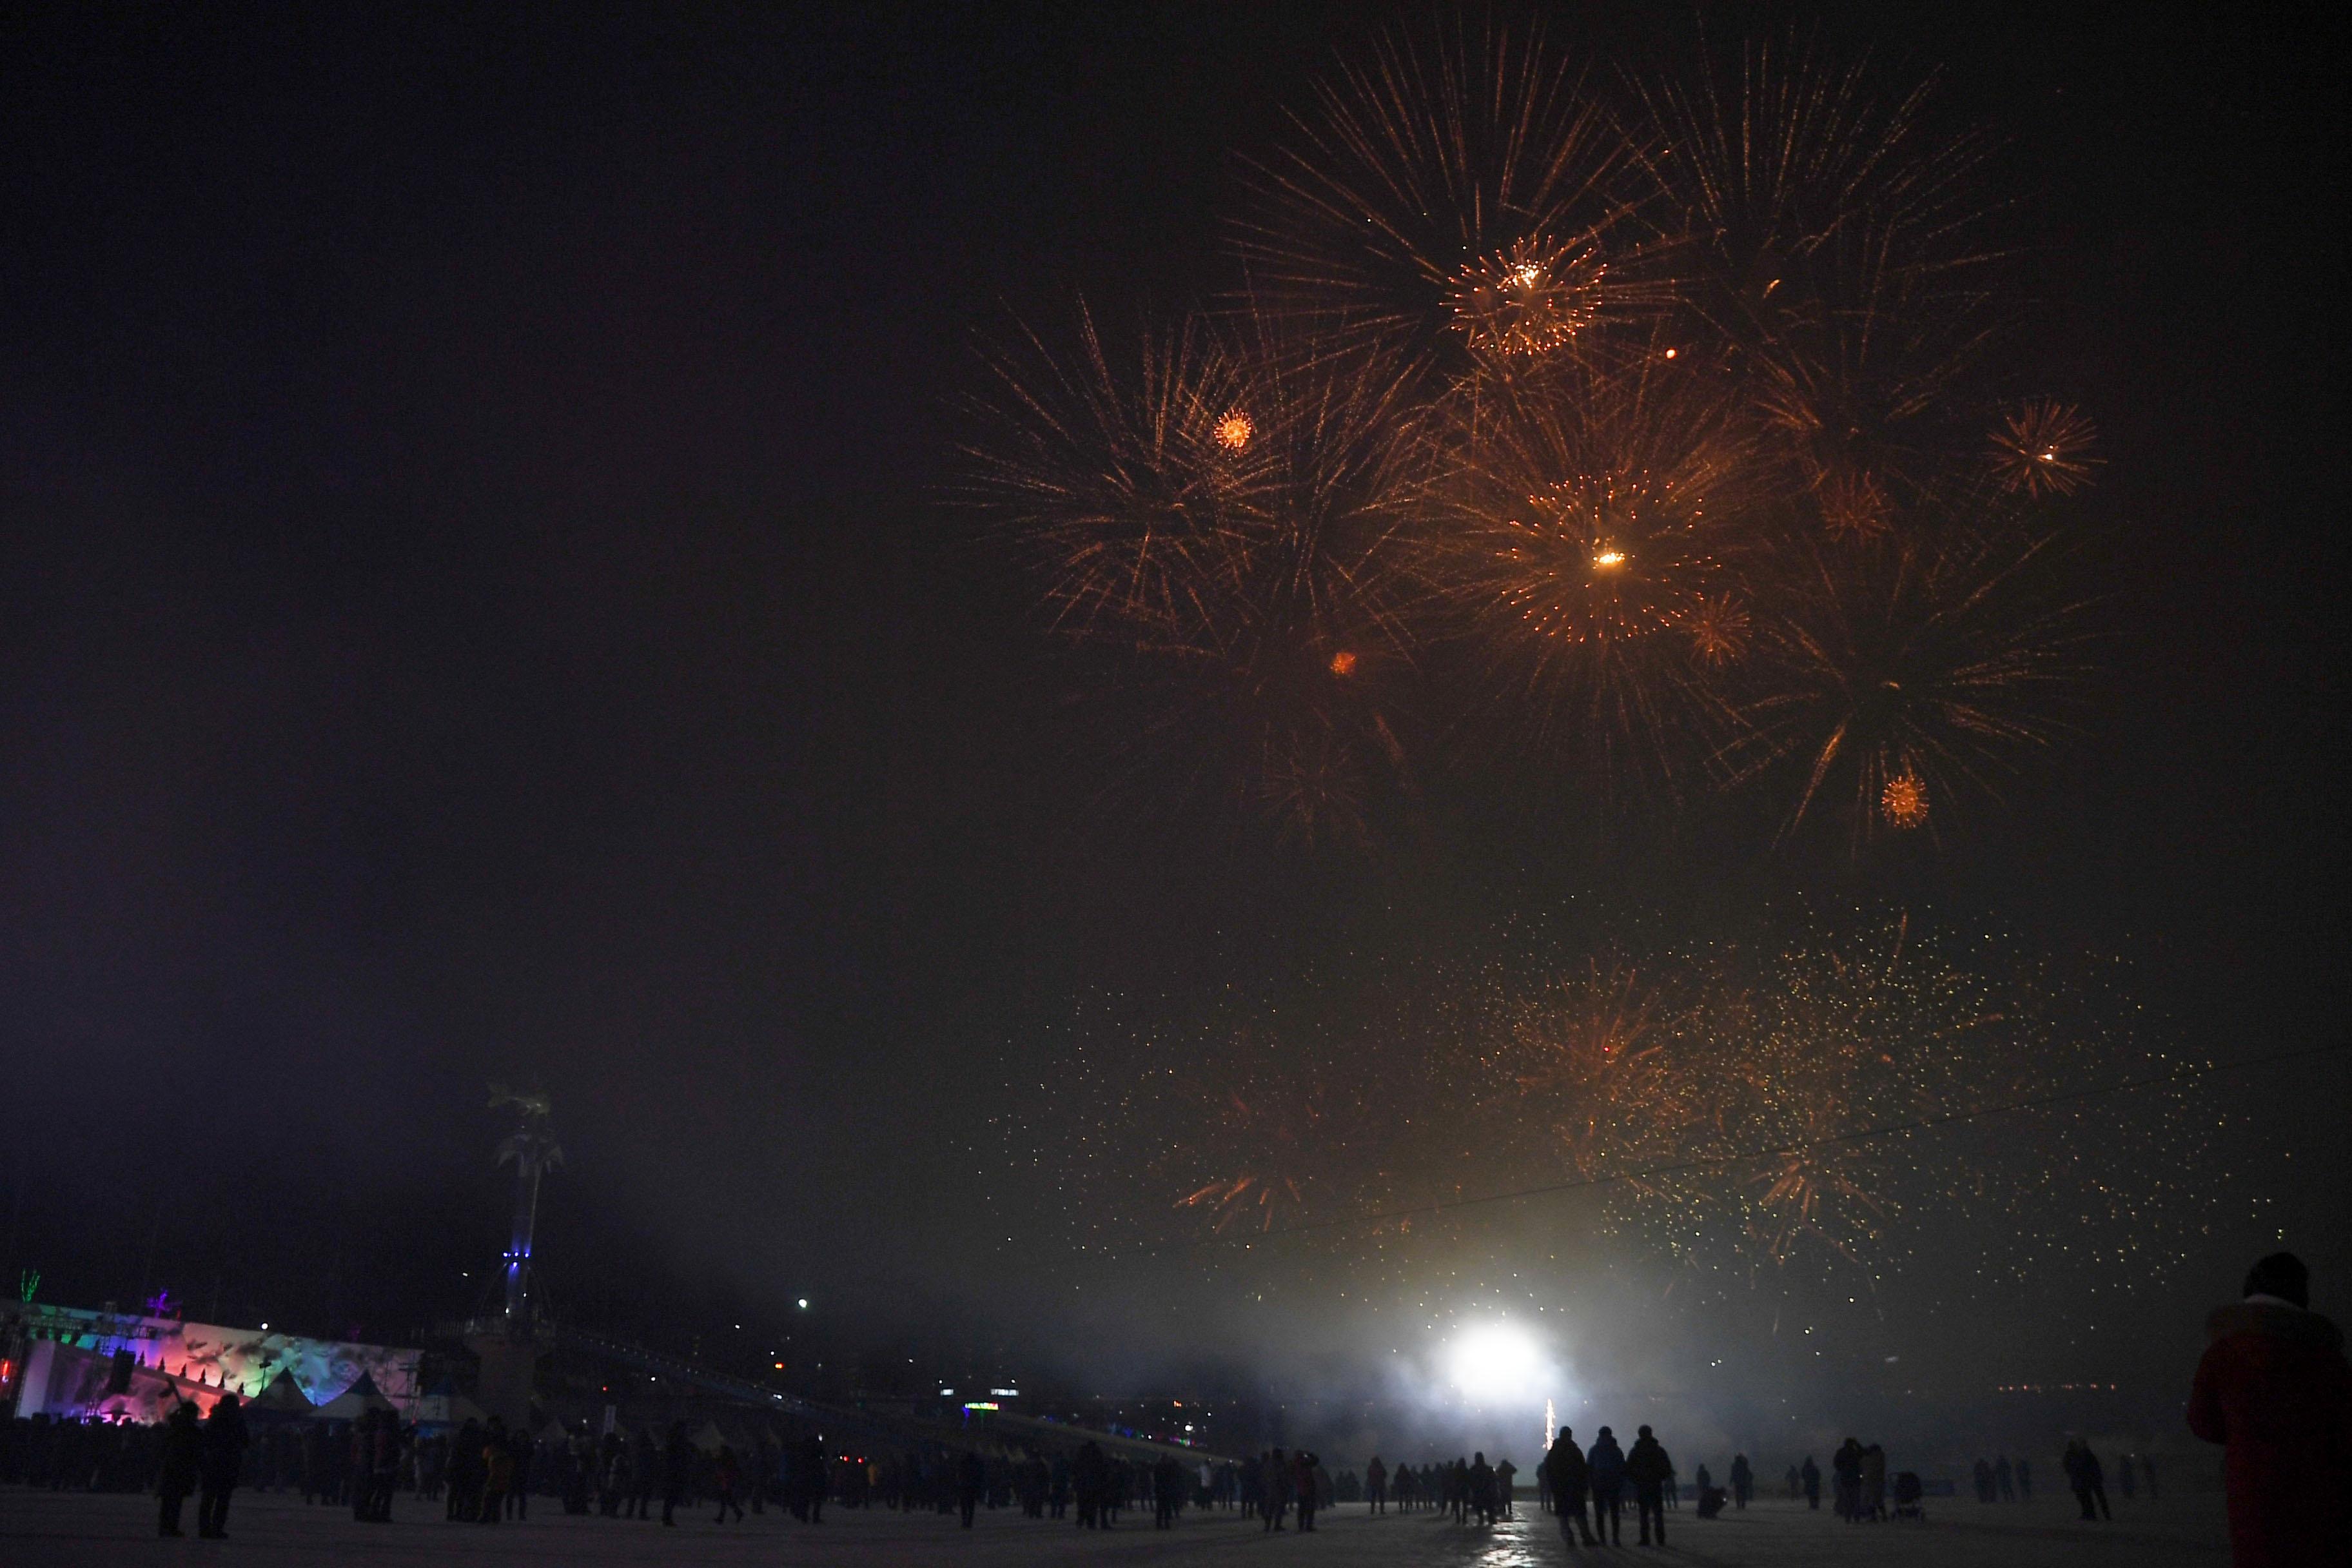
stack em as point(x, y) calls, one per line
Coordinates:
point(1496, 1364)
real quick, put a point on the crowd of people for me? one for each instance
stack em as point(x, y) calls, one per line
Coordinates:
point(2274, 1389)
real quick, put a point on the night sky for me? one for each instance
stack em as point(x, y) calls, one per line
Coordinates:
point(480, 598)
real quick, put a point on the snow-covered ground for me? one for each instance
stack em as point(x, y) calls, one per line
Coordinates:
point(54, 1530)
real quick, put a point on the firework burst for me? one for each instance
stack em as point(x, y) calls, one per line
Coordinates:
point(2046, 448)
point(1925, 668)
point(1589, 530)
point(1771, 179)
point(1118, 478)
point(1453, 185)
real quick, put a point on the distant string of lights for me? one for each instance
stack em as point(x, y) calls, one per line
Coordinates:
point(1715, 1161)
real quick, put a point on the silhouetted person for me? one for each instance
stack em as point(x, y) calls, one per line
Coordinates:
point(1480, 1490)
point(183, 1460)
point(2004, 1483)
point(464, 1470)
point(1167, 1493)
point(1743, 1480)
point(497, 1471)
point(2274, 1389)
point(2088, 1479)
point(813, 1482)
point(677, 1472)
point(520, 1450)
point(1376, 1485)
point(1278, 1488)
point(1846, 1465)
point(1304, 1487)
point(1812, 1477)
point(2124, 1481)
point(727, 1472)
point(1605, 1471)
point(645, 1475)
point(221, 1460)
point(1567, 1478)
point(1983, 1474)
point(1647, 1466)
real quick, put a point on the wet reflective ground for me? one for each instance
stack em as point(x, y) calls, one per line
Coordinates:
point(58, 1529)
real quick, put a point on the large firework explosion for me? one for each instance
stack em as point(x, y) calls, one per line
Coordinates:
point(1632, 423)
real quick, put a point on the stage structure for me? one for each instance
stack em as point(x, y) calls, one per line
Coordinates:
point(71, 1362)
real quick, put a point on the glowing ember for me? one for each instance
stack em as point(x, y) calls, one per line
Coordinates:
point(1606, 557)
point(1343, 663)
point(1233, 431)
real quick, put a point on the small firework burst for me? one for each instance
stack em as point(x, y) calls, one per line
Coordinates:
point(1343, 663)
point(1530, 300)
point(1854, 507)
point(1718, 624)
point(1112, 474)
point(2046, 448)
point(1234, 430)
point(1904, 801)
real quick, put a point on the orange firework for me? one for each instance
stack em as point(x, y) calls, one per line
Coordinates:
point(1718, 627)
point(1233, 431)
point(1528, 301)
point(1455, 182)
point(1595, 1057)
point(1933, 663)
point(1780, 182)
point(1589, 528)
point(1116, 476)
point(2046, 448)
point(1904, 801)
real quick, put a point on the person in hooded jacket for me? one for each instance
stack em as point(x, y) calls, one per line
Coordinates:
point(1647, 1466)
point(1605, 1468)
point(1304, 1490)
point(183, 1448)
point(1567, 1476)
point(2274, 1389)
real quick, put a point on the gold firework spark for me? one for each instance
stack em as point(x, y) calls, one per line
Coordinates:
point(1718, 626)
point(1904, 801)
point(1234, 430)
point(2046, 448)
point(1531, 300)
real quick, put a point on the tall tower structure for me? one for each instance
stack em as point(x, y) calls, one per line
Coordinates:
point(532, 1149)
point(508, 1352)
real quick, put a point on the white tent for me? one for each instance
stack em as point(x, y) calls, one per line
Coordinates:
point(354, 1402)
